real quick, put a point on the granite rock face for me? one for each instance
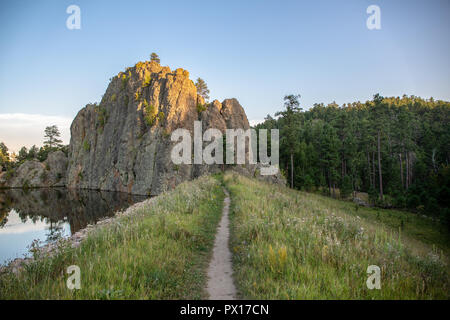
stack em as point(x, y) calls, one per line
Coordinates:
point(124, 142)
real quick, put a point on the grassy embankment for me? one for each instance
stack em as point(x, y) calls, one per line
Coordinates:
point(159, 252)
point(295, 245)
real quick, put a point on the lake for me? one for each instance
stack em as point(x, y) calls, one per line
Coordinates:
point(49, 213)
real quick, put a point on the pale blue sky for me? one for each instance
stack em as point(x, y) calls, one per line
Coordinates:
point(255, 51)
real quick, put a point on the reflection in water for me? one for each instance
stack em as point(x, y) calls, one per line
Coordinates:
point(49, 213)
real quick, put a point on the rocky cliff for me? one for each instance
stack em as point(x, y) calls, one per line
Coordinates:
point(123, 143)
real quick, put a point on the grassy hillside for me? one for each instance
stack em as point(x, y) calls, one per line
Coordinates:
point(294, 245)
point(159, 252)
point(286, 245)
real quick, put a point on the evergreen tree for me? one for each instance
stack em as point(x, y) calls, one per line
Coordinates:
point(154, 57)
point(52, 135)
point(291, 128)
point(202, 88)
point(4, 157)
point(395, 149)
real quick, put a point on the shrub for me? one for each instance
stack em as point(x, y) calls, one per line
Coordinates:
point(161, 116)
point(102, 116)
point(150, 113)
point(147, 80)
point(9, 173)
point(113, 97)
point(86, 146)
point(201, 107)
point(125, 79)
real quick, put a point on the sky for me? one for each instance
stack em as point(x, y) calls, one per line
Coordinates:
point(255, 51)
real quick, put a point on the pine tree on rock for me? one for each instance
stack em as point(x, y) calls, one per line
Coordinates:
point(202, 88)
point(154, 57)
point(52, 135)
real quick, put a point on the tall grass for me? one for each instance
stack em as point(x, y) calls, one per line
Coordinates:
point(159, 252)
point(295, 245)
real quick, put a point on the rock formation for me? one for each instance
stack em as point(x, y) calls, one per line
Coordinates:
point(123, 143)
point(35, 174)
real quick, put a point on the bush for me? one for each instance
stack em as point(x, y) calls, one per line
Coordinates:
point(9, 173)
point(150, 113)
point(147, 80)
point(161, 116)
point(102, 116)
point(201, 107)
point(125, 79)
point(86, 146)
point(137, 96)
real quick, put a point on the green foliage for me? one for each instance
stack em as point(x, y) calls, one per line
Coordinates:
point(52, 135)
point(102, 116)
point(113, 97)
point(9, 173)
point(161, 116)
point(137, 96)
point(346, 188)
point(202, 88)
point(125, 79)
point(201, 107)
point(147, 80)
point(332, 144)
point(86, 146)
point(154, 57)
point(150, 113)
point(290, 130)
point(4, 157)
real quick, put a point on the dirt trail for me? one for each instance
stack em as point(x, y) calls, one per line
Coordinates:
point(220, 272)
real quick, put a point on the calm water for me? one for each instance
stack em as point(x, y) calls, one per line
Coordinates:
point(46, 214)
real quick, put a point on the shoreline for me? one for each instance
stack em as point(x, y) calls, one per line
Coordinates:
point(75, 239)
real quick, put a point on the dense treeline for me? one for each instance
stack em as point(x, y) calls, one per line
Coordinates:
point(395, 149)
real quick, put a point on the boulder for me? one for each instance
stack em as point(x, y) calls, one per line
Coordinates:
point(35, 174)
